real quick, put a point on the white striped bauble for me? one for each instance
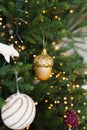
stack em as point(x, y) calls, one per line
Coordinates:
point(18, 112)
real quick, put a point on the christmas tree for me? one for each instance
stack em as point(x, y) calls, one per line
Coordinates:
point(43, 33)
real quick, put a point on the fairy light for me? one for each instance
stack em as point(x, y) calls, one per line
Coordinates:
point(58, 101)
point(0, 18)
point(4, 26)
point(51, 105)
point(48, 93)
point(23, 47)
point(27, 127)
point(26, 12)
point(72, 98)
point(74, 86)
point(54, 7)
point(64, 78)
point(51, 86)
point(75, 72)
point(65, 116)
point(84, 103)
point(84, 94)
point(84, 128)
point(69, 89)
point(65, 102)
point(65, 98)
point(83, 117)
point(71, 11)
point(72, 104)
point(79, 111)
point(61, 64)
point(26, 1)
point(68, 85)
point(44, 11)
point(34, 55)
point(56, 47)
point(54, 57)
point(66, 108)
point(64, 72)
point(85, 72)
point(77, 85)
point(19, 50)
point(53, 43)
point(67, 79)
point(36, 103)
point(57, 75)
point(11, 37)
point(0, 23)
point(55, 102)
point(50, 75)
point(19, 23)
point(46, 100)
point(56, 17)
point(38, 2)
point(59, 18)
point(16, 42)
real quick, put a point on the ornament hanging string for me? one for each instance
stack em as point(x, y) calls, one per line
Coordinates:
point(43, 41)
point(44, 45)
point(16, 76)
point(17, 18)
point(17, 79)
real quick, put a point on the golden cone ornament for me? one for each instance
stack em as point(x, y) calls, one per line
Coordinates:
point(43, 65)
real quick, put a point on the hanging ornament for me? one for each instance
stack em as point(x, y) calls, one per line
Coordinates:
point(18, 112)
point(43, 65)
point(71, 119)
point(7, 51)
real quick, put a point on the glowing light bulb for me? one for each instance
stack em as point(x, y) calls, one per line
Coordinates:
point(83, 117)
point(72, 98)
point(26, 1)
point(0, 23)
point(0, 18)
point(51, 105)
point(46, 101)
point(66, 108)
point(65, 102)
point(79, 111)
point(56, 16)
point(51, 86)
point(71, 11)
point(65, 98)
point(84, 103)
point(72, 105)
point(44, 11)
point(54, 7)
point(36, 103)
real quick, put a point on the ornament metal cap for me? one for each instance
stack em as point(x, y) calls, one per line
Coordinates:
point(43, 60)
